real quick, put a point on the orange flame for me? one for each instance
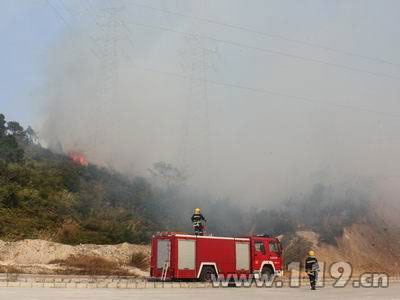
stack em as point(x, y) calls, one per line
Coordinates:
point(78, 158)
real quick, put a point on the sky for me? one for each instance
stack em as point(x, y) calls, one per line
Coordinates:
point(256, 99)
point(28, 28)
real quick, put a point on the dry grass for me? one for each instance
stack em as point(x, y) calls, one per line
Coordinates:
point(295, 249)
point(90, 265)
point(10, 269)
point(140, 260)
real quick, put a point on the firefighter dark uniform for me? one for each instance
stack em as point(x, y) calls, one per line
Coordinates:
point(197, 219)
point(312, 269)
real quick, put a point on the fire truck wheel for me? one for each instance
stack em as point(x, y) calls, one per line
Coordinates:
point(206, 274)
point(267, 272)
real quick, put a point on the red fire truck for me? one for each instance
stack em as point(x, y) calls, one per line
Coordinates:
point(185, 256)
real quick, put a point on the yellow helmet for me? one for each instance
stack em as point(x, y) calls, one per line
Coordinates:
point(197, 210)
point(311, 253)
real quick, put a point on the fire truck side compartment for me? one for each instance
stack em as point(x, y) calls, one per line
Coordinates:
point(163, 247)
point(242, 256)
point(186, 254)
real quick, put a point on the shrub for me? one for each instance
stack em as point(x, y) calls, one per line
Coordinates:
point(295, 249)
point(140, 260)
point(90, 265)
point(10, 270)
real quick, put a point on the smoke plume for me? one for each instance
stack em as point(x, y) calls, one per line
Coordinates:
point(130, 86)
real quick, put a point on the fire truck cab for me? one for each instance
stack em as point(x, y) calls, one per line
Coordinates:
point(185, 256)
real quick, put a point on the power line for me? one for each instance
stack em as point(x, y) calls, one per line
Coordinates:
point(59, 15)
point(108, 24)
point(270, 35)
point(271, 51)
point(64, 20)
point(257, 90)
point(271, 92)
point(232, 85)
point(196, 120)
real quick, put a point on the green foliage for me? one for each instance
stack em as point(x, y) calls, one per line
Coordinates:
point(10, 151)
point(47, 194)
point(15, 128)
point(2, 125)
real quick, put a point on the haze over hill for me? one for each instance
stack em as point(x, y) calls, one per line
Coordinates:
point(171, 90)
point(273, 117)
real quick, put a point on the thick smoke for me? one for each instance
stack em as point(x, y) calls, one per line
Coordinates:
point(128, 96)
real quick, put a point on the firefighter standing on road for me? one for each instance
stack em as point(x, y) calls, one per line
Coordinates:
point(312, 268)
point(197, 219)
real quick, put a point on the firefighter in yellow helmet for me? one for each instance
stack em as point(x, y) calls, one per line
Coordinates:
point(197, 220)
point(312, 268)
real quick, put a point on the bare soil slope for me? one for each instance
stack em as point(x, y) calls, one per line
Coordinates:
point(372, 245)
point(35, 256)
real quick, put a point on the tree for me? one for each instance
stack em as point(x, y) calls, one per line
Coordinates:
point(168, 174)
point(15, 128)
point(31, 135)
point(10, 151)
point(2, 125)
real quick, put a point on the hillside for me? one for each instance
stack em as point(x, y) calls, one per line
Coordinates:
point(63, 197)
point(50, 196)
point(66, 199)
point(372, 244)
